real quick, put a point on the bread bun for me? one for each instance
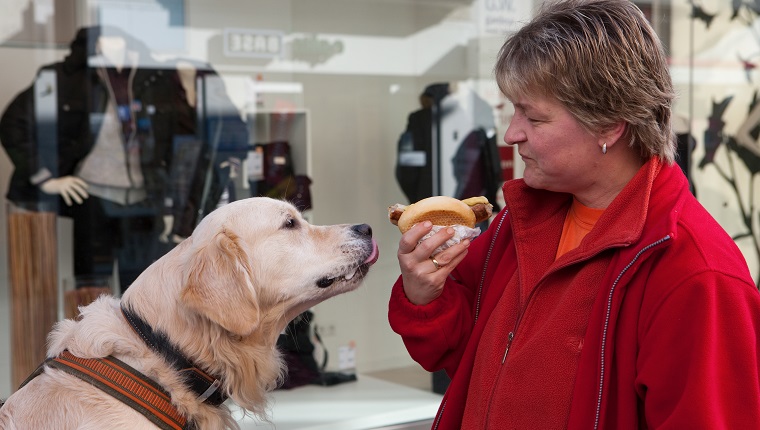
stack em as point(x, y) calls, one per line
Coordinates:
point(440, 210)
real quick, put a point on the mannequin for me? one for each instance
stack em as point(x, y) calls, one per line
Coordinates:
point(100, 159)
point(449, 146)
point(470, 161)
point(129, 150)
point(114, 54)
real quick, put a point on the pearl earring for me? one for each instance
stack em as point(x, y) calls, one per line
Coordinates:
point(604, 148)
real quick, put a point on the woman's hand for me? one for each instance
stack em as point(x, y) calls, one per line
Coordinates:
point(423, 275)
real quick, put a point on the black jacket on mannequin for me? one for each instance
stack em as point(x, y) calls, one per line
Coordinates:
point(41, 148)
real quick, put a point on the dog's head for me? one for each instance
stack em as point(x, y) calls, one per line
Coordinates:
point(258, 258)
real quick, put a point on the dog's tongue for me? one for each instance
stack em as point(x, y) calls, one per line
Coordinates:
point(374, 255)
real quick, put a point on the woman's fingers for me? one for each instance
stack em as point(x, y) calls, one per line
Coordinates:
point(410, 241)
point(423, 273)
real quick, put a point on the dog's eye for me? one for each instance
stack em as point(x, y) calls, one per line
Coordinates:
point(325, 282)
point(290, 223)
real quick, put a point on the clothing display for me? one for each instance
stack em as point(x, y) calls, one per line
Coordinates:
point(608, 335)
point(449, 146)
point(278, 179)
point(119, 125)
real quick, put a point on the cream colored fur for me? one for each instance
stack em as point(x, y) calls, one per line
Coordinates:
point(222, 296)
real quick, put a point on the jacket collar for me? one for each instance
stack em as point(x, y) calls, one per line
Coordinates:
point(647, 200)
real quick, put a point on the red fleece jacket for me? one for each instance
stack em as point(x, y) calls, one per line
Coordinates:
point(664, 335)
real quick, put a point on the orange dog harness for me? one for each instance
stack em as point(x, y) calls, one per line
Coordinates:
point(125, 384)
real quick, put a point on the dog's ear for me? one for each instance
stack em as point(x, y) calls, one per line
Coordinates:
point(219, 285)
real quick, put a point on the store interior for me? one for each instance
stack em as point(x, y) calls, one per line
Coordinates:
point(338, 80)
point(338, 90)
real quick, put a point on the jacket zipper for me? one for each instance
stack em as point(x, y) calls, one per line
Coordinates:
point(477, 303)
point(607, 323)
point(485, 265)
point(512, 333)
point(510, 336)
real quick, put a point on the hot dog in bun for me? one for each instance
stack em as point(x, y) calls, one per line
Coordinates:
point(441, 210)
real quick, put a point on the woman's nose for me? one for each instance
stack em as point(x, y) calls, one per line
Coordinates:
point(514, 135)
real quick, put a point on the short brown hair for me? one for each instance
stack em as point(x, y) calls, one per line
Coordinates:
point(603, 61)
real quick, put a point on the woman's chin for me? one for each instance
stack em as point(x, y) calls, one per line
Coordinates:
point(532, 181)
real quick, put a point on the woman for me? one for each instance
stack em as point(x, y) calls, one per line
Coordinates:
point(603, 295)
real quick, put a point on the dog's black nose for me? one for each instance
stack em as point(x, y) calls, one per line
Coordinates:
point(362, 229)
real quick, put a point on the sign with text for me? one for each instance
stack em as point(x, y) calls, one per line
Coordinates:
point(500, 17)
point(241, 42)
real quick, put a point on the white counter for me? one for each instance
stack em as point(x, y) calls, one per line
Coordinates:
point(367, 403)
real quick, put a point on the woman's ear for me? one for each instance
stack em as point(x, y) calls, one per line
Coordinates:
point(613, 134)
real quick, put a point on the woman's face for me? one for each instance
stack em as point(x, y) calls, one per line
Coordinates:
point(559, 154)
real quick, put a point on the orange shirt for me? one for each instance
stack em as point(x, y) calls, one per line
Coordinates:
point(579, 221)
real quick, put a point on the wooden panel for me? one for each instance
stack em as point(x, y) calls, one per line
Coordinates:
point(33, 274)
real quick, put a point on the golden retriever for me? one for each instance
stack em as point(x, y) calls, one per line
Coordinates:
point(220, 298)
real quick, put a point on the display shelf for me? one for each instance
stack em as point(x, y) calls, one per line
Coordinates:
point(368, 403)
point(287, 125)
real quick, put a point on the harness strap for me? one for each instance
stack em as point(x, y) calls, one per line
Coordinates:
point(199, 381)
point(125, 384)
